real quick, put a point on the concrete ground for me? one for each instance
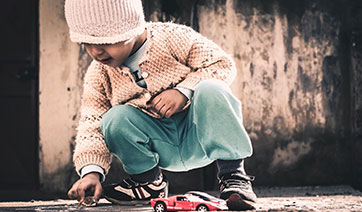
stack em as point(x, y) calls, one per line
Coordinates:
point(330, 198)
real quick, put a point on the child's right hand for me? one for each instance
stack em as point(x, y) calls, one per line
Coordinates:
point(167, 103)
point(89, 182)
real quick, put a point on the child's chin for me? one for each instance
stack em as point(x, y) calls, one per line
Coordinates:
point(111, 64)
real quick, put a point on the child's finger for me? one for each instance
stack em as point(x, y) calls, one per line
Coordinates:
point(169, 113)
point(161, 110)
point(156, 103)
point(166, 112)
point(97, 192)
point(81, 193)
point(72, 193)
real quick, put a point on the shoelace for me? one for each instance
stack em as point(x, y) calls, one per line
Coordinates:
point(236, 181)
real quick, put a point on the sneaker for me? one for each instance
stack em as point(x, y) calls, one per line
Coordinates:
point(129, 192)
point(236, 189)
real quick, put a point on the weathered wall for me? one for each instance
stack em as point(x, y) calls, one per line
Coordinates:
point(289, 81)
point(59, 96)
point(298, 77)
point(354, 17)
point(295, 80)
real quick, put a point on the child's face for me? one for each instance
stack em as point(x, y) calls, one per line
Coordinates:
point(111, 54)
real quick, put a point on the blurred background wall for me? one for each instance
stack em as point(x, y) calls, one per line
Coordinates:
point(299, 79)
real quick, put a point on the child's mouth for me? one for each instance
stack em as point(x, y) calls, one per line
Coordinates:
point(106, 60)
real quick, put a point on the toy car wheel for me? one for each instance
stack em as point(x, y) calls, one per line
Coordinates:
point(202, 208)
point(160, 207)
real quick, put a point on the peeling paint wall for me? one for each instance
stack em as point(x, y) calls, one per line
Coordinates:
point(293, 79)
point(290, 82)
point(298, 77)
point(299, 80)
point(59, 97)
point(355, 17)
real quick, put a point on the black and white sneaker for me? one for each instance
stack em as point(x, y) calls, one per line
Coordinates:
point(129, 192)
point(236, 189)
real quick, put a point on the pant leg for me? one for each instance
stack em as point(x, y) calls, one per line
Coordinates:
point(140, 141)
point(209, 130)
point(215, 114)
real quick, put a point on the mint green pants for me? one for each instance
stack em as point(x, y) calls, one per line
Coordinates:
point(210, 129)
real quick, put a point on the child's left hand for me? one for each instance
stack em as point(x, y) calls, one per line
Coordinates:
point(168, 103)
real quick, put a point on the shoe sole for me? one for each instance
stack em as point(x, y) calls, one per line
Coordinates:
point(236, 203)
point(131, 202)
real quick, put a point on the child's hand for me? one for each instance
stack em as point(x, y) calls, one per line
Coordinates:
point(89, 182)
point(168, 103)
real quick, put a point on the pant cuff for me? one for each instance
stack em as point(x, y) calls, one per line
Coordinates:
point(230, 166)
point(148, 176)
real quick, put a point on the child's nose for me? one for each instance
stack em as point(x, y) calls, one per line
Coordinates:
point(96, 50)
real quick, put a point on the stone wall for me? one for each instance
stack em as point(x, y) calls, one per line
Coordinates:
point(298, 78)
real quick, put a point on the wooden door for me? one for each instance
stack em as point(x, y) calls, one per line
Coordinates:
point(19, 94)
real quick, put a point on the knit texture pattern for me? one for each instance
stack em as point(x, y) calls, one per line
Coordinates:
point(175, 56)
point(104, 21)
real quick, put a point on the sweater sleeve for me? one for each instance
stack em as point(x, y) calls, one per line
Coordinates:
point(205, 58)
point(90, 144)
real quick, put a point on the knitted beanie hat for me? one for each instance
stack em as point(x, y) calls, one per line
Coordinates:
point(104, 21)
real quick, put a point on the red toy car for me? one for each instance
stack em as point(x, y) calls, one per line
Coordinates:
point(188, 202)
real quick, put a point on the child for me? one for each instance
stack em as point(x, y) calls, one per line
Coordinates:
point(156, 96)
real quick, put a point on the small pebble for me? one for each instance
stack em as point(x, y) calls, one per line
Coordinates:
point(89, 202)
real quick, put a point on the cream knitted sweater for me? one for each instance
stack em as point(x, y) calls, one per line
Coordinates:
point(175, 56)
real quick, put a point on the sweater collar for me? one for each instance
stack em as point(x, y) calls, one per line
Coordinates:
point(148, 44)
point(133, 61)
